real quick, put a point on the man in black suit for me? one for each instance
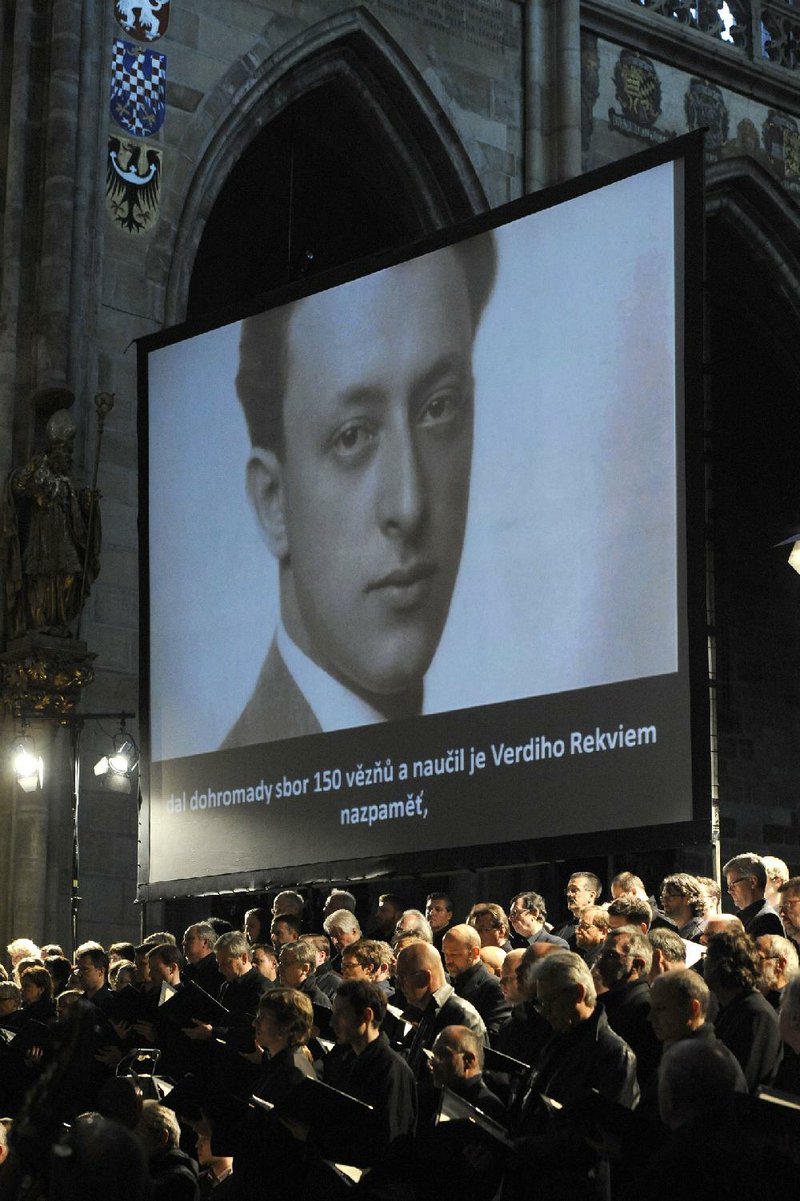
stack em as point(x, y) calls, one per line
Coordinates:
point(201, 962)
point(472, 981)
point(421, 979)
point(623, 967)
point(746, 877)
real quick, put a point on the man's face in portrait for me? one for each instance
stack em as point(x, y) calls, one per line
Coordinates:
point(365, 509)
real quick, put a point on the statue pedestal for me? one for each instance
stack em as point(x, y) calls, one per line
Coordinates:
point(43, 675)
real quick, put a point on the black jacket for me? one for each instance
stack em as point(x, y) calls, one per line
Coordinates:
point(381, 1078)
point(627, 1008)
point(206, 974)
point(590, 1056)
point(760, 918)
point(748, 1025)
point(483, 990)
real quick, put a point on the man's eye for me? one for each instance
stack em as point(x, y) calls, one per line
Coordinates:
point(352, 439)
point(442, 408)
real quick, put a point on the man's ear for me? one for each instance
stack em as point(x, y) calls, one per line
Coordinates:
point(265, 490)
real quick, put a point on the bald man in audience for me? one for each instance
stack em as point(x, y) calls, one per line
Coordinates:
point(421, 979)
point(492, 959)
point(721, 923)
point(461, 947)
point(527, 1030)
point(458, 1065)
point(679, 1006)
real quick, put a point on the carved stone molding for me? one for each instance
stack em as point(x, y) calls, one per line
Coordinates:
point(44, 676)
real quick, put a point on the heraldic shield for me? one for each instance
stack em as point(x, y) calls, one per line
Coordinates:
point(133, 183)
point(144, 20)
point(138, 89)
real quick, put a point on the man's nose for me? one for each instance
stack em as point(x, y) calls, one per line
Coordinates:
point(403, 492)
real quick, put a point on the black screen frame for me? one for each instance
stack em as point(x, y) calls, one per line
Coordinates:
point(697, 831)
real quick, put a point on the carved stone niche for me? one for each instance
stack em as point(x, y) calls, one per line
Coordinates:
point(44, 675)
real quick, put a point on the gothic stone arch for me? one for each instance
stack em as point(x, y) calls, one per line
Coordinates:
point(355, 51)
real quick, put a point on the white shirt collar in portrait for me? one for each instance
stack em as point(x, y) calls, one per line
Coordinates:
point(335, 707)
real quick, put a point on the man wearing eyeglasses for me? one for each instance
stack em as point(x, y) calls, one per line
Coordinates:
point(789, 908)
point(746, 877)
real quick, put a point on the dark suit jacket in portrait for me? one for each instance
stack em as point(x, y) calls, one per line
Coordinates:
point(277, 708)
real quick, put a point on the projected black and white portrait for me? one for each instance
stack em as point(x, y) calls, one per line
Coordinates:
point(359, 407)
point(445, 485)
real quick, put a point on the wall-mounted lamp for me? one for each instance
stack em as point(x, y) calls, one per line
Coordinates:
point(794, 553)
point(117, 767)
point(28, 766)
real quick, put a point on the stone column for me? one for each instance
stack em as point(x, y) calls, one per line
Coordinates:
point(552, 73)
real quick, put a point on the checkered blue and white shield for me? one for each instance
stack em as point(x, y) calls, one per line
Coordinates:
point(138, 89)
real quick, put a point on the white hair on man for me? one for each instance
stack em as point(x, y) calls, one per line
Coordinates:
point(22, 948)
point(234, 942)
point(342, 919)
point(158, 1129)
point(565, 969)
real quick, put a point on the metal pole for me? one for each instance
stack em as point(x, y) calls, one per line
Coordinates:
point(75, 900)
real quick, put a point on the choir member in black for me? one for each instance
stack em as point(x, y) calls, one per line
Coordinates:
point(746, 1022)
point(201, 962)
point(471, 979)
point(371, 1071)
point(268, 1161)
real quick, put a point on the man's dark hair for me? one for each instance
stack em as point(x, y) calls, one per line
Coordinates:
point(123, 949)
point(60, 969)
point(669, 943)
point(289, 919)
point(633, 909)
point(169, 955)
point(685, 984)
point(441, 896)
point(41, 978)
point(393, 898)
point(732, 962)
point(531, 901)
point(263, 346)
point(748, 864)
point(363, 994)
point(369, 952)
point(262, 916)
point(627, 881)
point(687, 887)
point(218, 924)
point(496, 914)
point(96, 955)
point(594, 881)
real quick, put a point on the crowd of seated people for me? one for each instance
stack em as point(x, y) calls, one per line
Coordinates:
point(648, 1043)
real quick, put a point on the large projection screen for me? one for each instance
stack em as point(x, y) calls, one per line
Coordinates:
point(424, 582)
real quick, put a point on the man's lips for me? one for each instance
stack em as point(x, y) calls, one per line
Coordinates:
point(404, 577)
point(406, 588)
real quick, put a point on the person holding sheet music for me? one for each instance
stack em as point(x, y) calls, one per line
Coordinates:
point(268, 1160)
point(583, 1055)
point(420, 978)
point(371, 1072)
point(240, 993)
point(457, 1064)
